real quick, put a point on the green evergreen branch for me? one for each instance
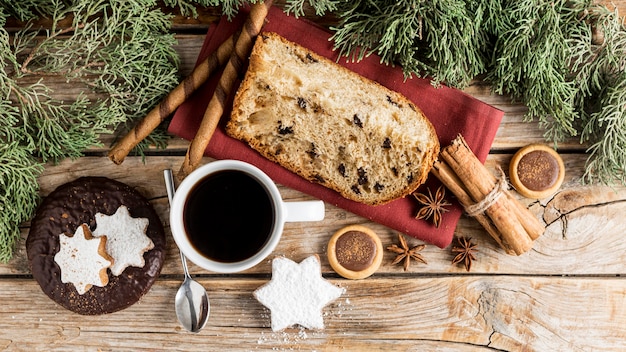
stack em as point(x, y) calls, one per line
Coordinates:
point(189, 8)
point(118, 53)
point(25, 10)
point(533, 62)
point(440, 39)
point(606, 128)
point(18, 178)
point(564, 59)
point(321, 7)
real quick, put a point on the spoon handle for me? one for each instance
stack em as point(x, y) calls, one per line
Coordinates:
point(169, 186)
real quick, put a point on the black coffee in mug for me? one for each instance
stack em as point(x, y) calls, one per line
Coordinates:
point(228, 216)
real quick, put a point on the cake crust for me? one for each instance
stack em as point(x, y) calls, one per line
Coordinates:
point(330, 125)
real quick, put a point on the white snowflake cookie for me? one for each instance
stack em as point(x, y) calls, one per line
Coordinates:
point(83, 259)
point(297, 293)
point(126, 238)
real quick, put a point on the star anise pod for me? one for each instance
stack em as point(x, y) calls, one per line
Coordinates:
point(404, 253)
point(432, 206)
point(465, 248)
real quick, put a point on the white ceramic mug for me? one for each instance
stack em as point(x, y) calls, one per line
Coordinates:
point(282, 212)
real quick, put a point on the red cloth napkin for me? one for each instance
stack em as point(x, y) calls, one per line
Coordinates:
point(451, 111)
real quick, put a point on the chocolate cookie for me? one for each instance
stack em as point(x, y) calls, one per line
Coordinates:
point(536, 171)
point(355, 252)
point(64, 210)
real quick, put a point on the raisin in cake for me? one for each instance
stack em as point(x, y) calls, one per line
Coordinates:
point(72, 205)
point(331, 125)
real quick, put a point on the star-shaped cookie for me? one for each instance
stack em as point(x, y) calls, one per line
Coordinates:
point(297, 293)
point(82, 260)
point(126, 238)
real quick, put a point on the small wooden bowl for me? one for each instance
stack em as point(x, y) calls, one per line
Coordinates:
point(355, 252)
point(536, 171)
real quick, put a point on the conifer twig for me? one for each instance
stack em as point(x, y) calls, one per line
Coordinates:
point(31, 55)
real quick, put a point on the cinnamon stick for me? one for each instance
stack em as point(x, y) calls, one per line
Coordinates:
point(467, 168)
point(443, 172)
point(464, 174)
point(532, 226)
point(173, 100)
point(215, 109)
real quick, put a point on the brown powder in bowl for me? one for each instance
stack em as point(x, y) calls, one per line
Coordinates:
point(355, 252)
point(536, 171)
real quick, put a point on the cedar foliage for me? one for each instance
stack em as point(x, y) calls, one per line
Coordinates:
point(117, 54)
point(564, 59)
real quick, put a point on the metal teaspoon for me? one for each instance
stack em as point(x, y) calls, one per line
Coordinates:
point(192, 300)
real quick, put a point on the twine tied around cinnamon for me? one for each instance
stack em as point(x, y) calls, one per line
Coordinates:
point(498, 191)
point(486, 198)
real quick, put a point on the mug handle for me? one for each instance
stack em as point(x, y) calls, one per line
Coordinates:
point(313, 210)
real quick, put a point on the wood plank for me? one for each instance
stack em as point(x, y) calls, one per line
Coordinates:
point(584, 233)
point(505, 303)
point(461, 313)
point(512, 133)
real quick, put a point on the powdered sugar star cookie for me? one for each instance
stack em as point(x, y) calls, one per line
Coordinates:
point(297, 293)
point(82, 260)
point(126, 238)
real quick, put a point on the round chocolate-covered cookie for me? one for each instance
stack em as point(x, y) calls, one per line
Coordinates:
point(355, 252)
point(62, 212)
point(536, 171)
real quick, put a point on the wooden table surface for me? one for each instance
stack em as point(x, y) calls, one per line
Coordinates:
point(567, 294)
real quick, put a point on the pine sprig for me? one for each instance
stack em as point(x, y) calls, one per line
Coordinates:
point(18, 178)
point(25, 10)
point(605, 128)
point(231, 7)
point(117, 54)
point(321, 7)
point(599, 69)
point(416, 35)
point(189, 7)
point(533, 53)
point(126, 55)
point(457, 41)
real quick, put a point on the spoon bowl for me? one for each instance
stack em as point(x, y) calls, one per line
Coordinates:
point(192, 301)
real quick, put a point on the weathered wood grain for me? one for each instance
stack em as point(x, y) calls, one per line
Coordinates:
point(406, 313)
point(513, 131)
point(582, 237)
point(567, 294)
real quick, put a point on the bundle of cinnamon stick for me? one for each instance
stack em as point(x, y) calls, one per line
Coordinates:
point(233, 53)
point(486, 198)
